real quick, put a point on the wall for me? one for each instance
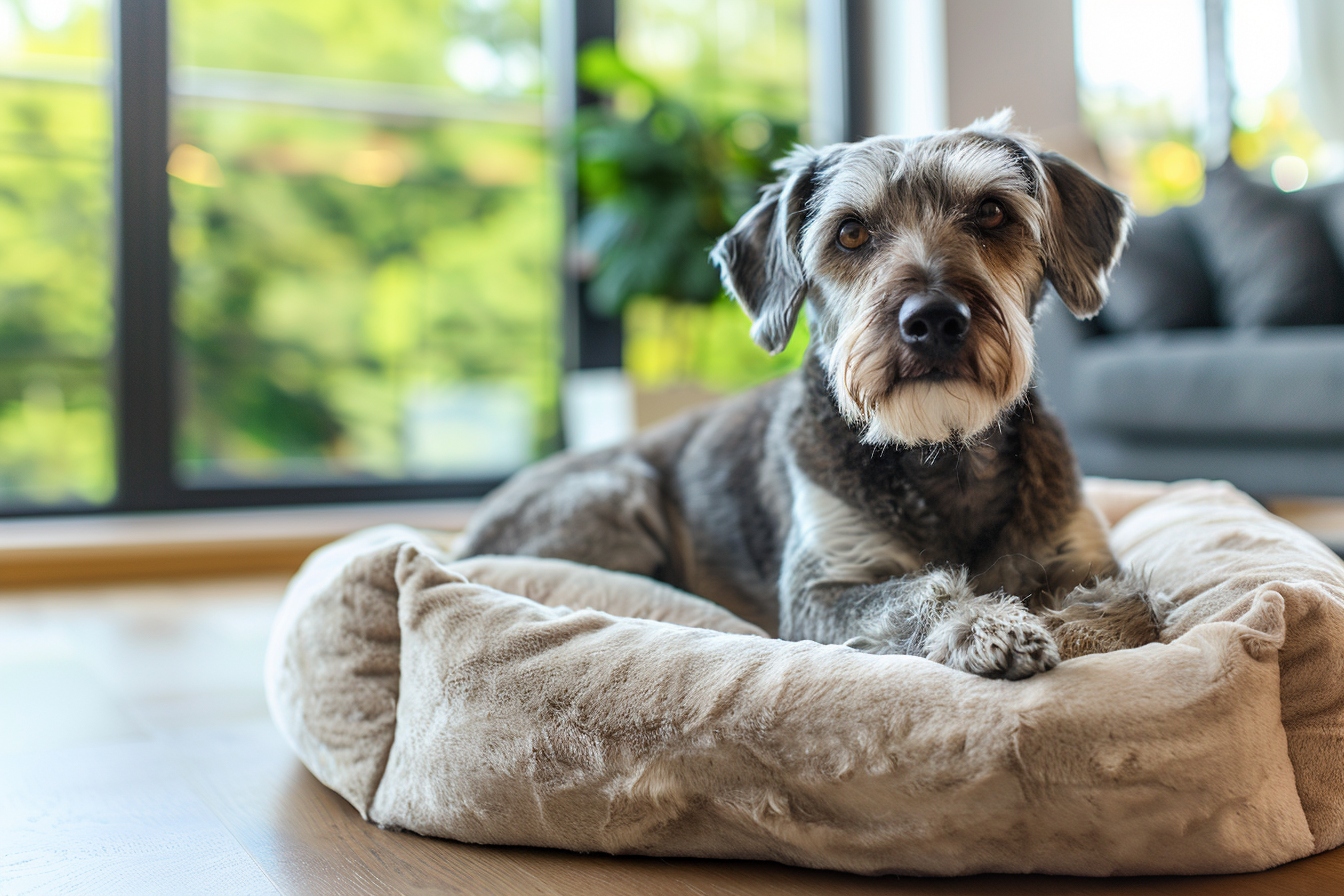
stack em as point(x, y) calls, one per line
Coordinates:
point(1017, 53)
point(933, 64)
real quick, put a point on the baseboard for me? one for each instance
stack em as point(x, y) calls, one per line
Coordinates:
point(156, 546)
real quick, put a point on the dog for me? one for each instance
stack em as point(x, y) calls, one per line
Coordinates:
point(904, 491)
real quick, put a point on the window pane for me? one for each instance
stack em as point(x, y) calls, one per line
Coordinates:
point(1283, 62)
point(741, 66)
point(1144, 89)
point(1144, 93)
point(723, 56)
point(55, 207)
point(366, 227)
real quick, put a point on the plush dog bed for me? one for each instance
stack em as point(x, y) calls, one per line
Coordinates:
point(536, 702)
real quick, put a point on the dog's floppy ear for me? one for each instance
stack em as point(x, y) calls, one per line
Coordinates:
point(759, 258)
point(1086, 228)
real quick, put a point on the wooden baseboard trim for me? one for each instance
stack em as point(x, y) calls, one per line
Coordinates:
point(148, 547)
point(1322, 517)
point(54, 552)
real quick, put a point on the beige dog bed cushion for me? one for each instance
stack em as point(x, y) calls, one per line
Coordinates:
point(536, 702)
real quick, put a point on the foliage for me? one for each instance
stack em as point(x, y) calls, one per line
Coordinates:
point(311, 308)
point(710, 345)
point(1282, 129)
point(721, 57)
point(55, 308)
point(393, 41)
point(1148, 150)
point(659, 183)
point(348, 264)
point(742, 66)
point(317, 297)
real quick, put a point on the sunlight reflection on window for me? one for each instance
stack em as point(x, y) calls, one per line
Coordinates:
point(1146, 51)
point(1143, 88)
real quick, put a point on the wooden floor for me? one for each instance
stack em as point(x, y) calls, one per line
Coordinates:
point(136, 757)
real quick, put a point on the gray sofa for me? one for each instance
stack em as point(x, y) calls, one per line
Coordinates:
point(1221, 353)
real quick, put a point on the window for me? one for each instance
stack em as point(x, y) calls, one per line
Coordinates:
point(366, 226)
point(315, 254)
point(56, 440)
point(1143, 89)
point(741, 65)
point(1168, 86)
point(361, 296)
point(1285, 89)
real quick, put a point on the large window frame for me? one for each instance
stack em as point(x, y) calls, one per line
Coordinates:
point(143, 359)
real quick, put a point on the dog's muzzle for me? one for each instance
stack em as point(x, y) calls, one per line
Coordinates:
point(934, 325)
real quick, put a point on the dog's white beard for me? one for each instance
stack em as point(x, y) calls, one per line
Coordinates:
point(924, 411)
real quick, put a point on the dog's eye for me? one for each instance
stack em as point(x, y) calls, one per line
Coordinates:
point(990, 214)
point(852, 234)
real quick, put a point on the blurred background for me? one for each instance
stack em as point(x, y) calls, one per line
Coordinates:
point(405, 248)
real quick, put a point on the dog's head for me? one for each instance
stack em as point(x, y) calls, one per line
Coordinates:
point(923, 260)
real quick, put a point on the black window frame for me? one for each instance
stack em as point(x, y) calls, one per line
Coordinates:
point(143, 361)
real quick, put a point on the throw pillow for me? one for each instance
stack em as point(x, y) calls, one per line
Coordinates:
point(1160, 283)
point(1267, 254)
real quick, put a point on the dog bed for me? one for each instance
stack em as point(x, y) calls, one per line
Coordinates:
point(541, 703)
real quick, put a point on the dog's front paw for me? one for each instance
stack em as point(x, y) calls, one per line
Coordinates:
point(993, 636)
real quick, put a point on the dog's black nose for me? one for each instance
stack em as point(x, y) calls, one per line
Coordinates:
point(934, 323)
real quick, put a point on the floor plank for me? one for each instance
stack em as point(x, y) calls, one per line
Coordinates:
point(113, 818)
point(29, 689)
point(309, 840)
point(136, 756)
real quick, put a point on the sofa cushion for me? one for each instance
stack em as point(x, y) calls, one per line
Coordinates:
point(1160, 283)
point(1328, 203)
point(1267, 253)
point(1269, 383)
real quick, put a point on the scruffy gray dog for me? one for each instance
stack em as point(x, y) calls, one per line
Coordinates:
point(904, 491)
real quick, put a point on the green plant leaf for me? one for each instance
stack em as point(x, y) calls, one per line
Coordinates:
point(601, 69)
point(657, 188)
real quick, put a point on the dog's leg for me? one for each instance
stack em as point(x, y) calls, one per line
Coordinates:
point(934, 614)
point(1114, 613)
point(603, 509)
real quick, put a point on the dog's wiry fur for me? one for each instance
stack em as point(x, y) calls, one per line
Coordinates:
point(888, 496)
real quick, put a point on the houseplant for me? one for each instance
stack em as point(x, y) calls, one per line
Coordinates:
point(659, 181)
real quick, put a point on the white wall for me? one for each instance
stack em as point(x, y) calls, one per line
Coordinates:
point(1015, 53)
point(943, 63)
